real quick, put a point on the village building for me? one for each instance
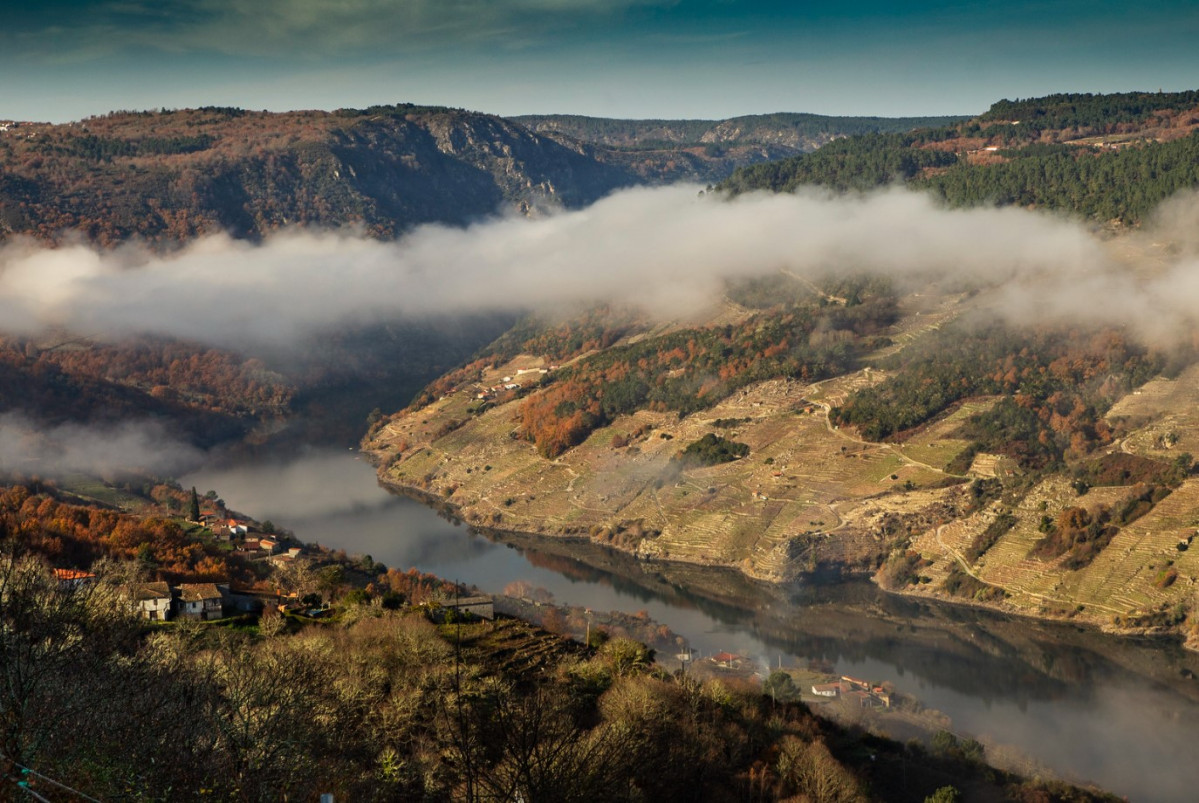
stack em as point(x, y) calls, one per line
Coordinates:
point(150, 600)
point(290, 556)
point(856, 691)
point(202, 601)
point(70, 579)
point(728, 660)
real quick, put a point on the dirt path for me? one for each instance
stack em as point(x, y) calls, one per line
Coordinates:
point(1041, 598)
point(956, 556)
point(808, 283)
point(827, 410)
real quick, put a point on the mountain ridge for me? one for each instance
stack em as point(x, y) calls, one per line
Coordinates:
point(171, 175)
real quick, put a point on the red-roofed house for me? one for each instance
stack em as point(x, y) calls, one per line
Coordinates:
point(73, 578)
point(728, 660)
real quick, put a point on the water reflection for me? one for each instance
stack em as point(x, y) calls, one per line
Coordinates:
point(1121, 713)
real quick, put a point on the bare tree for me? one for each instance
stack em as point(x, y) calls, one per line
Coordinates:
point(60, 642)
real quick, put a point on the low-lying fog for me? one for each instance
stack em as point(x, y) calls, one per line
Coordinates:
point(668, 250)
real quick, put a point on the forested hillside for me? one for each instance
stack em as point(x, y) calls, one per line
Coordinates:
point(169, 176)
point(1099, 157)
point(205, 396)
point(845, 423)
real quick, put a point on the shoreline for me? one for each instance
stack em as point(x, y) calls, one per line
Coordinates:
point(1099, 624)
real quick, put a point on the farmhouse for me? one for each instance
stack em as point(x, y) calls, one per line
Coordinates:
point(200, 601)
point(856, 691)
point(151, 600)
point(728, 660)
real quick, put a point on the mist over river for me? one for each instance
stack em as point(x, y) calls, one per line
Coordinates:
point(1121, 713)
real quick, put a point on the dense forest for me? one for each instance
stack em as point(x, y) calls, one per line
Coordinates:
point(1124, 185)
point(855, 163)
point(1046, 153)
point(1086, 110)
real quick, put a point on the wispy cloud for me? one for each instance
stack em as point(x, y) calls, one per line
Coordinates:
point(307, 29)
point(131, 446)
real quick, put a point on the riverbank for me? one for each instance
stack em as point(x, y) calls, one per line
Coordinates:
point(650, 564)
point(1053, 689)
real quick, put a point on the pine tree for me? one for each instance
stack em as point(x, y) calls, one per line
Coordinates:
point(194, 510)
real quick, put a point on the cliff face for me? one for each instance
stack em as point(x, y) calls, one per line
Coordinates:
point(709, 150)
point(170, 176)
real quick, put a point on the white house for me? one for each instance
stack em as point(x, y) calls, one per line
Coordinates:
point(201, 601)
point(151, 600)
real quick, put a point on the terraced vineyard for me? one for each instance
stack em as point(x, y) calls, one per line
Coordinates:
point(810, 494)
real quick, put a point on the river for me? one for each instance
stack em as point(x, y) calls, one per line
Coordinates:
point(1121, 713)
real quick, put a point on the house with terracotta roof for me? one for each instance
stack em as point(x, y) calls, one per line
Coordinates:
point(728, 660)
point(70, 579)
point(202, 601)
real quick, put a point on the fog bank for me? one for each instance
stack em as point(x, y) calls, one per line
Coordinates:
point(667, 249)
point(128, 447)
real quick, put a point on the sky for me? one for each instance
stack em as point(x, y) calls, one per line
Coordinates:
point(64, 60)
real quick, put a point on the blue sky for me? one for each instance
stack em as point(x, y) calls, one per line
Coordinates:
point(67, 59)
